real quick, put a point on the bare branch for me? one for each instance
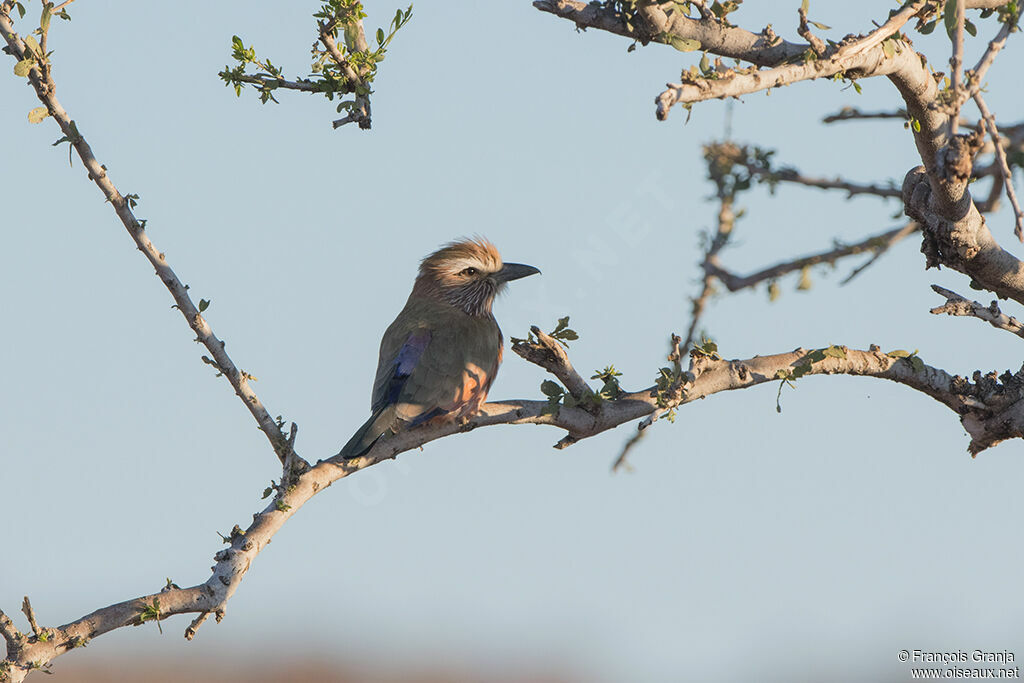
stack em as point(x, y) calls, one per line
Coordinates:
point(958, 305)
point(881, 250)
point(877, 243)
point(792, 175)
point(30, 614)
point(977, 74)
point(302, 85)
point(956, 63)
point(621, 462)
point(1004, 167)
point(854, 114)
point(46, 92)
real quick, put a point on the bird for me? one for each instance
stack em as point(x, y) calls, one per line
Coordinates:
point(439, 357)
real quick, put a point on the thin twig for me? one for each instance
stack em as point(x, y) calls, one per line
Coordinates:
point(791, 175)
point(852, 114)
point(621, 462)
point(956, 63)
point(977, 74)
point(1004, 167)
point(895, 237)
point(46, 92)
point(882, 241)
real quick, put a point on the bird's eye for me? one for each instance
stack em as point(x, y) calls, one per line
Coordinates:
point(468, 271)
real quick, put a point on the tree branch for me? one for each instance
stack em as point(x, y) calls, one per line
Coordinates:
point(876, 243)
point(709, 375)
point(1004, 167)
point(45, 90)
point(958, 305)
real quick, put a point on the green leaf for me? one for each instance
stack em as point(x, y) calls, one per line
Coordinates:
point(23, 67)
point(551, 389)
point(38, 114)
point(819, 25)
point(970, 28)
point(928, 28)
point(568, 334)
point(21, 9)
point(889, 47)
point(684, 44)
point(562, 324)
point(203, 304)
point(900, 353)
point(380, 36)
point(44, 20)
point(32, 45)
point(805, 5)
point(917, 364)
point(949, 16)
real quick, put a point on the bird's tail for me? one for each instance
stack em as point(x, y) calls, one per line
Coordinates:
point(377, 426)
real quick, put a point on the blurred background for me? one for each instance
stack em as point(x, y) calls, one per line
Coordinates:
point(810, 545)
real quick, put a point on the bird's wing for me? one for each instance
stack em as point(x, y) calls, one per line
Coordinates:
point(396, 366)
point(433, 362)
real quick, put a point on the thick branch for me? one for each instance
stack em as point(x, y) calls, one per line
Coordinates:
point(963, 243)
point(974, 402)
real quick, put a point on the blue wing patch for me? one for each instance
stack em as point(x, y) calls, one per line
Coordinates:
point(405, 362)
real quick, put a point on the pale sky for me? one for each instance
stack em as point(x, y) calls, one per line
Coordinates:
point(811, 545)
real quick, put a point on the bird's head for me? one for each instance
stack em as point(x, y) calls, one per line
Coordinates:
point(468, 274)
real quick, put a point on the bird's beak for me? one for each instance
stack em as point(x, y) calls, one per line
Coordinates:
point(514, 271)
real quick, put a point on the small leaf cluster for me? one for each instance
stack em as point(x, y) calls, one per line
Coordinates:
point(662, 383)
point(337, 17)
point(707, 347)
point(265, 81)
point(558, 396)
point(562, 333)
point(609, 378)
point(151, 613)
point(947, 12)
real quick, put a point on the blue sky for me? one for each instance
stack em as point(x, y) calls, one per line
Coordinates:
point(746, 544)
